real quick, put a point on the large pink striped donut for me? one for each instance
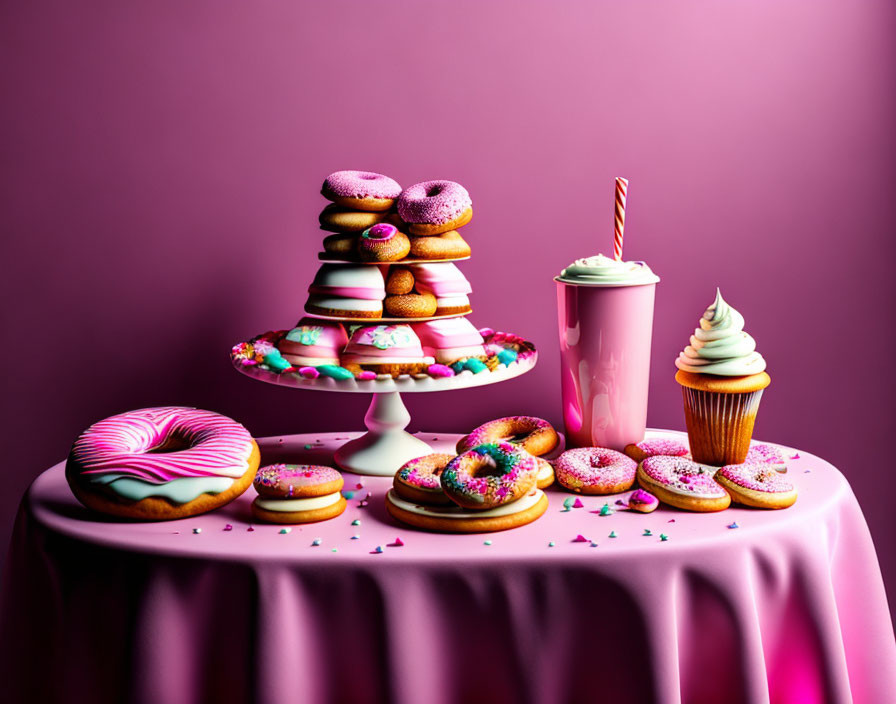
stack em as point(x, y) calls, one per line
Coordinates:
point(156, 459)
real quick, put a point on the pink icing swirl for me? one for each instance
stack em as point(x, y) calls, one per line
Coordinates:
point(682, 475)
point(159, 445)
point(434, 202)
point(360, 184)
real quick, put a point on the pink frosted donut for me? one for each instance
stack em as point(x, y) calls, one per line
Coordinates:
point(281, 481)
point(640, 451)
point(534, 435)
point(595, 470)
point(383, 243)
point(766, 455)
point(756, 485)
point(419, 479)
point(489, 475)
point(362, 190)
point(434, 207)
point(161, 463)
point(681, 482)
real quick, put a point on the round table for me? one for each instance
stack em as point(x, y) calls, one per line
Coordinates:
point(738, 606)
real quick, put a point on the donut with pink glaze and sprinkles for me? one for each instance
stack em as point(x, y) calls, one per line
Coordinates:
point(419, 479)
point(434, 207)
point(489, 475)
point(157, 464)
point(595, 470)
point(756, 485)
point(297, 493)
point(361, 190)
point(682, 483)
point(640, 451)
point(383, 243)
point(534, 435)
point(766, 455)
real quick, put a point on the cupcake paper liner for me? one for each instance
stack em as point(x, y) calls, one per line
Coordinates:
point(720, 425)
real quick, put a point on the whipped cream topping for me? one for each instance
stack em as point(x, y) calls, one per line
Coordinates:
point(720, 346)
point(600, 270)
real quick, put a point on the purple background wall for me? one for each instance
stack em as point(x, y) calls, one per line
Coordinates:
point(161, 162)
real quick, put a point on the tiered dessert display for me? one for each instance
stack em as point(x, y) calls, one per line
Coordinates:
point(386, 313)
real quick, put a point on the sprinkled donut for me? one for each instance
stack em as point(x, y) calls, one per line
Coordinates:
point(767, 455)
point(418, 480)
point(756, 485)
point(595, 470)
point(682, 483)
point(489, 475)
point(534, 435)
point(448, 245)
point(434, 207)
point(161, 463)
point(383, 243)
point(361, 190)
point(640, 451)
point(297, 493)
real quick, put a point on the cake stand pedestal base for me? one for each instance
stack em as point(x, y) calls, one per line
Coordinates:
point(385, 446)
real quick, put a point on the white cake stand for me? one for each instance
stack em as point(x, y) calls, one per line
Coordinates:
point(386, 445)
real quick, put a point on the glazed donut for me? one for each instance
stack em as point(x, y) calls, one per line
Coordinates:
point(640, 451)
point(682, 483)
point(434, 207)
point(595, 470)
point(383, 243)
point(158, 464)
point(411, 305)
point(399, 281)
point(489, 475)
point(297, 493)
point(361, 190)
point(342, 246)
point(418, 480)
point(335, 218)
point(534, 435)
point(448, 245)
point(756, 485)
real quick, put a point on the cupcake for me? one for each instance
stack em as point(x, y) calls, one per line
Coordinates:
point(386, 349)
point(722, 377)
point(347, 290)
point(446, 282)
point(450, 340)
point(313, 342)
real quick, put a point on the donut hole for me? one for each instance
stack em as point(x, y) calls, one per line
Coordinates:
point(515, 438)
point(487, 467)
point(175, 442)
point(369, 177)
point(433, 191)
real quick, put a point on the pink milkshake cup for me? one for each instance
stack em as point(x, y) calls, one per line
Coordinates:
point(605, 316)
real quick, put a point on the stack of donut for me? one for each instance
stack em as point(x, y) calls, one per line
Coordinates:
point(494, 483)
point(372, 219)
point(665, 472)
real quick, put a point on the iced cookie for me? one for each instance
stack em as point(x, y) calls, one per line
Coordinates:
point(682, 483)
point(640, 451)
point(419, 479)
point(595, 470)
point(297, 493)
point(756, 485)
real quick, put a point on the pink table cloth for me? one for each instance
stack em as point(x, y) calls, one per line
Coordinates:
point(788, 606)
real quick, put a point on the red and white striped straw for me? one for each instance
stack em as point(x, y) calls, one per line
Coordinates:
point(619, 226)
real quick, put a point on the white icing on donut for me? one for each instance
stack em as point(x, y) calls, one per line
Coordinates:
point(456, 512)
point(178, 491)
point(289, 505)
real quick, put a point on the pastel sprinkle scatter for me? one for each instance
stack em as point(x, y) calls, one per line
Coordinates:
point(315, 542)
point(348, 494)
point(177, 532)
point(567, 503)
point(377, 550)
point(664, 537)
point(593, 545)
point(356, 522)
point(487, 542)
point(671, 520)
point(578, 503)
point(732, 526)
point(308, 446)
point(356, 537)
point(284, 531)
point(359, 485)
point(335, 550)
point(580, 539)
point(612, 534)
point(228, 527)
point(250, 529)
point(647, 532)
point(605, 510)
point(806, 471)
point(551, 544)
point(795, 456)
point(397, 544)
point(197, 531)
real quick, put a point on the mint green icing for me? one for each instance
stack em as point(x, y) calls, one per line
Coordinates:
point(305, 335)
point(334, 372)
point(178, 491)
point(604, 271)
point(275, 361)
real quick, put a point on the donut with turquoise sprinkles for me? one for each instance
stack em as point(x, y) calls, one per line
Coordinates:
point(489, 475)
